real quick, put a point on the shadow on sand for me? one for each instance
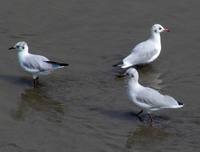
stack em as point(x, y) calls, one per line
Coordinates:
point(16, 79)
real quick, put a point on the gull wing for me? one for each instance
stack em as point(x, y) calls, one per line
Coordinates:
point(154, 100)
point(36, 63)
point(142, 53)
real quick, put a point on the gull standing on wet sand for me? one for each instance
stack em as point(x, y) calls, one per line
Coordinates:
point(146, 51)
point(148, 99)
point(35, 64)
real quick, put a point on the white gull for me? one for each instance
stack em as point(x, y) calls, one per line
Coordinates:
point(146, 51)
point(35, 64)
point(146, 98)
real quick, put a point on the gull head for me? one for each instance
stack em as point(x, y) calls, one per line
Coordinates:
point(20, 46)
point(133, 74)
point(157, 28)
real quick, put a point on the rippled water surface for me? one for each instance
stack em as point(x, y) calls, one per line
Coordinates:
point(84, 107)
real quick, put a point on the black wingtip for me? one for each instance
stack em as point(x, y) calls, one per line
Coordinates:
point(63, 64)
point(117, 64)
point(180, 103)
point(57, 63)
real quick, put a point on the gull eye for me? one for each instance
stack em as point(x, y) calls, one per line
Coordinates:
point(17, 46)
point(160, 28)
point(22, 47)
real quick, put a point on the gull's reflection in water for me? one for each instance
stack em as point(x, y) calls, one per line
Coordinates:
point(34, 101)
point(150, 77)
point(146, 138)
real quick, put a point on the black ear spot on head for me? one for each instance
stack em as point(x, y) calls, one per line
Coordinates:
point(132, 75)
point(155, 31)
point(22, 47)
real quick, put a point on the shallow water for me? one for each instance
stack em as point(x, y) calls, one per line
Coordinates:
point(84, 107)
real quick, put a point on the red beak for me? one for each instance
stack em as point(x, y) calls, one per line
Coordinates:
point(167, 30)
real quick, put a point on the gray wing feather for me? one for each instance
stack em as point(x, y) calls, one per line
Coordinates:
point(142, 53)
point(37, 62)
point(155, 100)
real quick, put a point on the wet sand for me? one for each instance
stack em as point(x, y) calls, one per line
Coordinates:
point(83, 107)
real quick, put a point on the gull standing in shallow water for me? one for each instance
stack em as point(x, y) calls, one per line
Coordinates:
point(148, 99)
point(35, 64)
point(146, 51)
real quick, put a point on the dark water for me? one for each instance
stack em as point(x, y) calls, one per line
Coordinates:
point(84, 107)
